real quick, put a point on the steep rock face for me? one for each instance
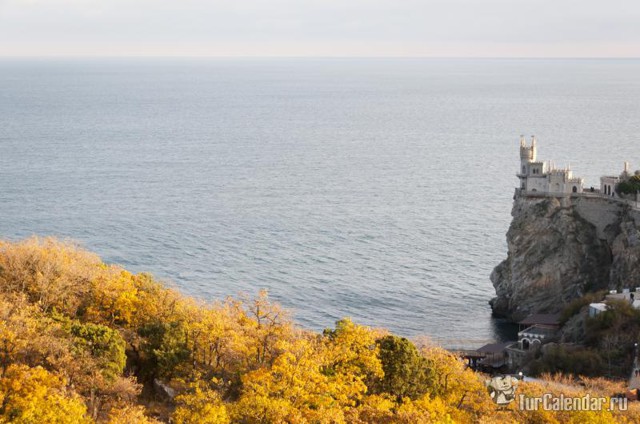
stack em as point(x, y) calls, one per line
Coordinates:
point(561, 248)
point(625, 269)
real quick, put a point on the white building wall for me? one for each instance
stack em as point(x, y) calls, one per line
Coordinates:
point(537, 184)
point(578, 184)
point(556, 183)
point(608, 185)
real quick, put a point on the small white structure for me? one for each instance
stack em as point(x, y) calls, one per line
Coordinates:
point(541, 177)
point(596, 308)
point(608, 185)
point(535, 336)
point(626, 295)
point(608, 182)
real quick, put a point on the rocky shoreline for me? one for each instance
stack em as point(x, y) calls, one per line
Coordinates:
point(560, 248)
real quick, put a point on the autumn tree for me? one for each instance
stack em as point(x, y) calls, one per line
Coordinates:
point(293, 389)
point(200, 405)
point(51, 273)
point(33, 395)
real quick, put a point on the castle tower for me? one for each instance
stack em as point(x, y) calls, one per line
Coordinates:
point(528, 154)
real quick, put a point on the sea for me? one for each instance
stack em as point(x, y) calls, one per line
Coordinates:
point(375, 189)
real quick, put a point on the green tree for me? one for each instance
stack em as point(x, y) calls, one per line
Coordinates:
point(406, 371)
point(630, 186)
point(104, 344)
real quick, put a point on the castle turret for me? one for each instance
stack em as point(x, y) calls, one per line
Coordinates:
point(625, 173)
point(528, 156)
point(528, 153)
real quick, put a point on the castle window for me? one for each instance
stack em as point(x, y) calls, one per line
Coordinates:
point(575, 189)
point(524, 170)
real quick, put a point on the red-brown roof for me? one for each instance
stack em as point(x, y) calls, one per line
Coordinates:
point(541, 319)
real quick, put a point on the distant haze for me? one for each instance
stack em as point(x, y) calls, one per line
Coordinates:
point(430, 28)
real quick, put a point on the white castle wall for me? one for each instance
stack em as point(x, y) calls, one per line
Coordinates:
point(537, 177)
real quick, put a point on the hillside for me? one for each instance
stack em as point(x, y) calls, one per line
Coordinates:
point(82, 341)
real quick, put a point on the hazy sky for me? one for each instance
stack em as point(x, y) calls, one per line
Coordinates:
point(458, 28)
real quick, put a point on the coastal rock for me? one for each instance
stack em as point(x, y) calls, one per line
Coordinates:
point(560, 248)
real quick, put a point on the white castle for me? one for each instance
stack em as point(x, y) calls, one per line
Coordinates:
point(543, 179)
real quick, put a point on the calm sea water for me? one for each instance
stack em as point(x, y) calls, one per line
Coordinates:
point(375, 189)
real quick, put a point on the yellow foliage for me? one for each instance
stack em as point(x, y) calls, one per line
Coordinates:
point(56, 352)
point(200, 405)
point(424, 410)
point(34, 396)
point(130, 414)
point(114, 297)
point(353, 350)
point(52, 273)
point(294, 386)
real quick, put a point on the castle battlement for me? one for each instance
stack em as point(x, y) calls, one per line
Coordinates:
point(544, 179)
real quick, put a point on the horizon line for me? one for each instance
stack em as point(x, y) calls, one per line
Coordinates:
point(144, 56)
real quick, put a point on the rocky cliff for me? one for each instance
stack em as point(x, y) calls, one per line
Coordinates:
point(561, 248)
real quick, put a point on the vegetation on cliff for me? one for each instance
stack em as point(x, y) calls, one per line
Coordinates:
point(603, 346)
point(83, 341)
point(629, 186)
